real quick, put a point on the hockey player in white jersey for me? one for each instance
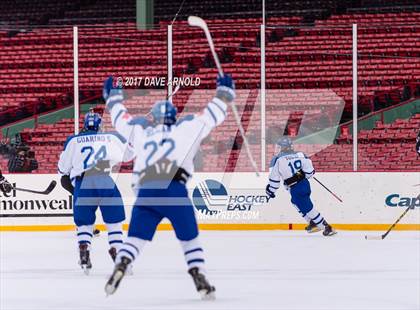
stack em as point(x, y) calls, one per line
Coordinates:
point(85, 166)
point(164, 163)
point(294, 169)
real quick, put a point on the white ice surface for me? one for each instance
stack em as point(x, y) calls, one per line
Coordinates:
point(251, 270)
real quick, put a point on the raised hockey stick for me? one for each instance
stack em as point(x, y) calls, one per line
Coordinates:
point(45, 192)
point(169, 97)
point(381, 237)
point(338, 198)
point(195, 21)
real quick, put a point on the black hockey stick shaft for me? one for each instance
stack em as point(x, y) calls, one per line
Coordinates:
point(338, 198)
point(396, 222)
point(45, 192)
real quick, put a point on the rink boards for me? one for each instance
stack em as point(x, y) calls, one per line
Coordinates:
point(237, 201)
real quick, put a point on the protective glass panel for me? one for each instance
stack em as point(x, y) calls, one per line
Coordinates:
point(389, 114)
point(236, 45)
point(137, 61)
point(38, 63)
point(309, 89)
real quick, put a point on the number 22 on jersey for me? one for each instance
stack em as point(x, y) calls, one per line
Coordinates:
point(152, 148)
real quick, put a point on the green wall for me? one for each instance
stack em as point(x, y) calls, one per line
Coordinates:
point(404, 111)
point(328, 135)
point(49, 118)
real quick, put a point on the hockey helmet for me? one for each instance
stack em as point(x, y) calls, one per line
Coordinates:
point(164, 112)
point(285, 144)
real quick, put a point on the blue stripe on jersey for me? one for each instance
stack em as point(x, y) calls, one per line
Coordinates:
point(212, 115)
point(84, 241)
point(273, 161)
point(115, 233)
point(319, 214)
point(115, 241)
point(142, 121)
point(319, 221)
point(271, 180)
point(113, 100)
point(129, 253)
point(221, 109)
point(84, 233)
point(193, 250)
point(186, 118)
point(67, 141)
point(313, 171)
point(118, 115)
point(197, 260)
point(118, 135)
point(133, 246)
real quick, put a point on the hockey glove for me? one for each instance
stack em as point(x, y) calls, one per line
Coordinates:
point(5, 186)
point(269, 192)
point(109, 88)
point(225, 88)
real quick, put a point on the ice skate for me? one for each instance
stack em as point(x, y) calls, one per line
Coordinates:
point(116, 277)
point(84, 261)
point(328, 230)
point(312, 227)
point(204, 288)
point(113, 253)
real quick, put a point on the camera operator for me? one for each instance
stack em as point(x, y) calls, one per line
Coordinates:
point(23, 161)
point(21, 158)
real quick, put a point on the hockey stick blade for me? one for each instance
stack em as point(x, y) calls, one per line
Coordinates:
point(374, 237)
point(45, 192)
point(196, 21)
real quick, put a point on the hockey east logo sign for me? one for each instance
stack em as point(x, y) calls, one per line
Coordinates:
point(212, 200)
point(15, 204)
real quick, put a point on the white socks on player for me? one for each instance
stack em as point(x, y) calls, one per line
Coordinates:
point(316, 217)
point(193, 253)
point(131, 248)
point(115, 235)
point(85, 234)
point(192, 249)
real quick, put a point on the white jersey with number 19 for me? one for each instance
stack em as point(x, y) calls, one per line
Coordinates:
point(285, 165)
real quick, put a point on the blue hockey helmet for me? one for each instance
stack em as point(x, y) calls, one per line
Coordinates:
point(92, 121)
point(164, 112)
point(285, 143)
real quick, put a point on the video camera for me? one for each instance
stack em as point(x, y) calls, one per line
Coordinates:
point(20, 157)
